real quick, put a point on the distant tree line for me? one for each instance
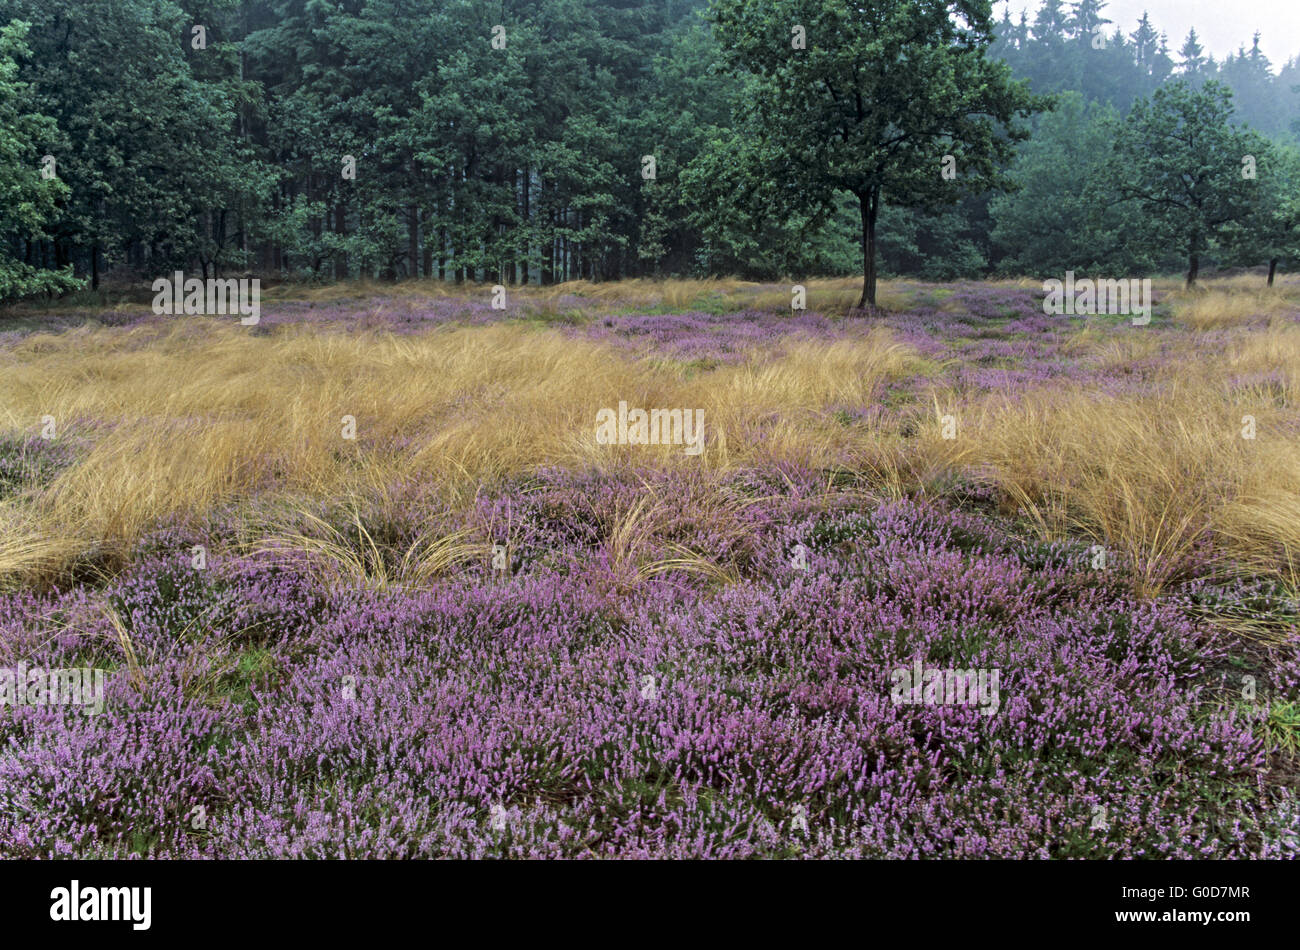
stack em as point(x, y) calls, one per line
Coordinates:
point(551, 140)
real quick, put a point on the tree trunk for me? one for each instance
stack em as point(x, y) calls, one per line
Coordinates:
point(523, 261)
point(869, 205)
point(318, 226)
point(1272, 271)
point(94, 266)
point(412, 242)
point(1193, 268)
point(426, 245)
point(548, 255)
point(341, 229)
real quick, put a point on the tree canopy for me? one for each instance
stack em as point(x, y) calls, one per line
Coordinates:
point(553, 140)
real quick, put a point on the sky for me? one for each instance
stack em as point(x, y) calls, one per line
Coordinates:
point(1221, 25)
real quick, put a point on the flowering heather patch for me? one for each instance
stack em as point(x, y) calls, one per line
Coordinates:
point(709, 339)
point(252, 712)
point(473, 631)
point(31, 461)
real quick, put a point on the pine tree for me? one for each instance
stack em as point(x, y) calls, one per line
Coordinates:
point(1145, 40)
point(1087, 19)
point(1191, 58)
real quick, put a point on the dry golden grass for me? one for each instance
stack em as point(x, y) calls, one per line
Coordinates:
point(836, 295)
point(824, 295)
point(1142, 475)
point(1276, 352)
point(182, 419)
point(201, 415)
point(355, 556)
point(1228, 307)
point(645, 292)
point(1157, 474)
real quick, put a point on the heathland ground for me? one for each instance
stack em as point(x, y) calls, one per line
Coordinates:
point(365, 582)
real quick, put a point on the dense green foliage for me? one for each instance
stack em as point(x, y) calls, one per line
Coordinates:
point(27, 190)
point(545, 140)
point(1188, 170)
point(888, 100)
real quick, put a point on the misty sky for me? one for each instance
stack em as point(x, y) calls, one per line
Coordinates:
point(1221, 25)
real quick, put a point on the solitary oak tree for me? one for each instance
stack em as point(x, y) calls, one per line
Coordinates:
point(889, 100)
point(1191, 170)
point(1270, 231)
